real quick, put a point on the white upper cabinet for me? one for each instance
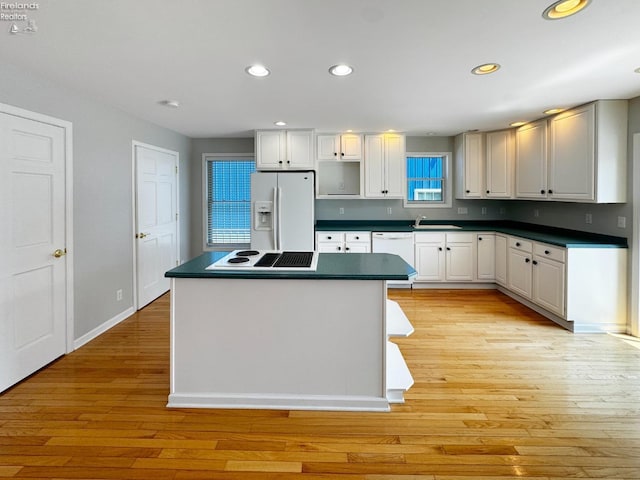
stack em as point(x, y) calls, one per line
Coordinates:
point(579, 155)
point(500, 159)
point(347, 146)
point(531, 160)
point(469, 158)
point(384, 157)
point(588, 153)
point(284, 150)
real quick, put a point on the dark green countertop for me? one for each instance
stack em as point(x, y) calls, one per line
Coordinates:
point(331, 266)
point(552, 235)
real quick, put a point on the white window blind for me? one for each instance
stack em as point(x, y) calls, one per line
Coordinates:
point(228, 202)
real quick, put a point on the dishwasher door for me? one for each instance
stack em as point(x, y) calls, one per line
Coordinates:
point(398, 243)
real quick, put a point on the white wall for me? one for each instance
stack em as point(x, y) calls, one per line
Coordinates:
point(102, 171)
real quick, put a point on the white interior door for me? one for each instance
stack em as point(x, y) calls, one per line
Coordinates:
point(156, 220)
point(33, 277)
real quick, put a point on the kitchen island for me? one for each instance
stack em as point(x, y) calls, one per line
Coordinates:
point(288, 339)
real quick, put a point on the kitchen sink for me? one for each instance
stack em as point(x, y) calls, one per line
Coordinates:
point(437, 227)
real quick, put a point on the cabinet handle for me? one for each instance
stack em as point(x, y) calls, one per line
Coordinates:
point(448, 248)
point(527, 260)
point(479, 239)
point(551, 192)
point(542, 192)
point(288, 162)
point(535, 262)
point(357, 238)
point(280, 162)
point(328, 238)
point(488, 191)
point(439, 249)
point(517, 244)
point(346, 249)
point(339, 248)
point(342, 154)
point(547, 252)
point(468, 191)
point(335, 154)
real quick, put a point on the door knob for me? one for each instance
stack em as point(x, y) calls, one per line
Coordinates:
point(60, 253)
point(141, 235)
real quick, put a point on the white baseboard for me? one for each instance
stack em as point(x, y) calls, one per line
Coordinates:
point(279, 402)
point(100, 329)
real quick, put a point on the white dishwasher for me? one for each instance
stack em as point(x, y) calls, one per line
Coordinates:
point(398, 243)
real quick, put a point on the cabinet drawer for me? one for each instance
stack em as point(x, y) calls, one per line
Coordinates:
point(547, 251)
point(520, 244)
point(364, 237)
point(330, 237)
point(460, 237)
point(429, 237)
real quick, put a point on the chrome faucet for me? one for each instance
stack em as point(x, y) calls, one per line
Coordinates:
point(418, 220)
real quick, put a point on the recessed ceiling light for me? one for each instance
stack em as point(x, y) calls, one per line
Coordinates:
point(169, 103)
point(257, 71)
point(564, 8)
point(485, 69)
point(280, 123)
point(553, 111)
point(517, 124)
point(341, 70)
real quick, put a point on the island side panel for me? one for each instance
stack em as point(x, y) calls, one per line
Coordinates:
point(278, 343)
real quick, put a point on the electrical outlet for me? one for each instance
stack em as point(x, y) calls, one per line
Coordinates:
point(622, 222)
point(536, 212)
point(588, 218)
point(463, 210)
point(341, 211)
point(341, 186)
point(484, 210)
point(389, 211)
point(118, 295)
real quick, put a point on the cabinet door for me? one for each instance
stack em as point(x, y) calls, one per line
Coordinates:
point(374, 166)
point(270, 149)
point(501, 260)
point(549, 284)
point(430, 262)
point(395, 165)
point(300, 150)
point(572, 154)
point(330, 247)
point(531, 160)
point(473, 165)
point(519, 274)
point(350, 147)
point(499, 168)
point(459, 262)
point(486, 252)
point(357, 247)
point(327, 147)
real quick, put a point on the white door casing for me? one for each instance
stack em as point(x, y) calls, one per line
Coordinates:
point(36, 283)
point(156, 220)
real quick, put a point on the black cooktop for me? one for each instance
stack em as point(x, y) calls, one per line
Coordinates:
point(286, 260)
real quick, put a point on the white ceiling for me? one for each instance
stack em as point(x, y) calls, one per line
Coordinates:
point(412, 60)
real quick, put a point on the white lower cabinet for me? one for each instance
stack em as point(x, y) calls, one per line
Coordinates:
point(343, 242)
point(486, 256)
point(501, 260)
point(519, 266)
point(549, 280)
point(444, 257)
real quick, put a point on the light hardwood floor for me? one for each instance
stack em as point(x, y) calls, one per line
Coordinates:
point(500, 393)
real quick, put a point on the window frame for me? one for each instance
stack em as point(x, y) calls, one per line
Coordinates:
point(447, 182)
point(206, 157)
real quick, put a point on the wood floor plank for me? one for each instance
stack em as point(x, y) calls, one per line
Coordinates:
point(500, 393)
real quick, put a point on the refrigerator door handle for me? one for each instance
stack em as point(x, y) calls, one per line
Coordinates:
point(274, 229)
point(278, 218)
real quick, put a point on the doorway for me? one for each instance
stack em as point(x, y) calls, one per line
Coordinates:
point(36, 267)
point(155, 216)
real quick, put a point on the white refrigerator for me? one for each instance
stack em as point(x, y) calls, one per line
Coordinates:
point(282, 210)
